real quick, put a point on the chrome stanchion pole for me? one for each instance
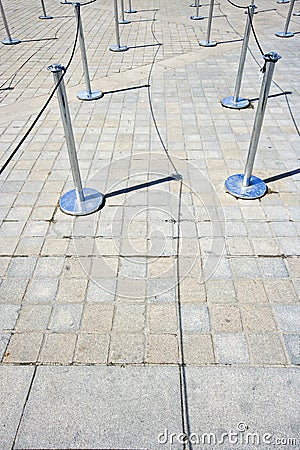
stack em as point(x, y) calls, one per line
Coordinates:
point(9, 40)
point(236, 102)
point(246, 185)
point(130, 10)
point(45, 16)
point(79, 201)
point(285, 33)
point(118, 47)
point(123, 21)
point(197, 16)
point(208, 42)
point(88, 94)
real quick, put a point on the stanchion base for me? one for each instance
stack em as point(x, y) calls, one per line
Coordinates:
point(207, 43)
point(66, 3)
point(234, 185)
point(92, 201)
point(130, 11)
point(124, 22)
point(7, 41)
point(297, 13)
point(194, 6)
point(197, 17)
point(239, 104)
point(282, 34)
point(86, 95)
point(283, 1)
point(45, 17)
point(118, 48)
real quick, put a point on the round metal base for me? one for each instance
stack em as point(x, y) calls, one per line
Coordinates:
point(193, 6)
point(117, 48)
point(207, 43)
point(70, 205)
point(130, 11)
point(124, 22)
point(197, 17)
point(282, 34)
point(7, 41)
point(239, 104)
point(234, 185)
point(283, 1)
point(86, 95)
point(45, 17)
point(297, 13)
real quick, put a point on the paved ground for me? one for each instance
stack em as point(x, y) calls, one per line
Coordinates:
point(175, 307)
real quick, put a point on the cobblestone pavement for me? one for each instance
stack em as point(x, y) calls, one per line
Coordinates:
point(169, 271)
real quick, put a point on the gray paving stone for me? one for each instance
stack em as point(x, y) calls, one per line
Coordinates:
point(288, 317)
point(8, 316)
point(149, 395)
point(22, 267)
point(272, 268)
point(4, 339)
point(231, 349)
point(292, 342)
point(15, 384)
point(195, 318)
point(13, 290)
point(222, 398)
point(42, 290)
point(66, 317)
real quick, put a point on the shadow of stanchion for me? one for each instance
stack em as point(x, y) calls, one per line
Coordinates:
point(126, 89)
point(271, 96)
point(280, 176)
point(39, 40)
point(141, 186)
point(144, 46)
point(230, 41)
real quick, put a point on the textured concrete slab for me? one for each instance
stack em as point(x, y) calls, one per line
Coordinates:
point(260, 405)
point(100, 407)
point(15, 384)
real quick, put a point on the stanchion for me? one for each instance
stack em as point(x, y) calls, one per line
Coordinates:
point(246, 185)
point(45, 16)
point(118, 47)
point(296, 13)
point(208, 42)
point(123, 21)
point(283, 1)
point(88, 94)
point(66, 3)
point(9, 40)
point(236, 102)
point(285, 33)
point(79, 201)
point(130, 10)
point(197, 16)
point(194, 5)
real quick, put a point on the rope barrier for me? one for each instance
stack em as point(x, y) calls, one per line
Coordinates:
point(45, 105)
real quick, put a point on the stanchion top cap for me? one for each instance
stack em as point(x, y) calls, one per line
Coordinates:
point(55, 67)
point(272, 57)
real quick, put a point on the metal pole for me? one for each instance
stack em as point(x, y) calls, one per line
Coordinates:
point(123, 21)
point(247, 185)
point(9, 40)
point(209, 43)
point(285, 33)
point(197, 16)
point(79, 201)
point(130, 10)
point(88, 94)
point(44, 11)
point(235, 102)
point(118, 47)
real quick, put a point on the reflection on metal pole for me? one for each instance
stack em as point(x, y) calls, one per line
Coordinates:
point(248, 186)
point(79, 201)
